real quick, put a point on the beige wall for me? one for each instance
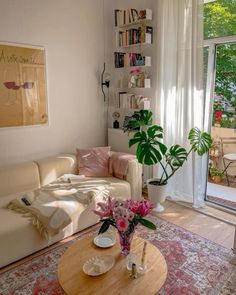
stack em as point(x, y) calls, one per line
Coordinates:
point(71, 32)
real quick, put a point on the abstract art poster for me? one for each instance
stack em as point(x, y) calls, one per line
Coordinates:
point(23, 98)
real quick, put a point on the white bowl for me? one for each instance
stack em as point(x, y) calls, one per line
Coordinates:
point(104, 240)
point(98, 265)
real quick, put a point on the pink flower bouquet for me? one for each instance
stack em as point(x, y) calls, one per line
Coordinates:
point(124, 215)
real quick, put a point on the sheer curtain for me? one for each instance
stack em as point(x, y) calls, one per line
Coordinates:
point(180, 96)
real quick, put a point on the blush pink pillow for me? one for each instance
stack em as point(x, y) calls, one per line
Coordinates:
point(94, 161)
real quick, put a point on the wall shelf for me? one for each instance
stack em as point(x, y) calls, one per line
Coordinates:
point(139, 36)
point(139, 22)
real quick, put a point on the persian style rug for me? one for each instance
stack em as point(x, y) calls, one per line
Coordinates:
point(195, 265)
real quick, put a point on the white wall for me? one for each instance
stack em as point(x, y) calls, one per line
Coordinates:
point(72, 33)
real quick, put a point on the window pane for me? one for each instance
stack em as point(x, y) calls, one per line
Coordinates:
point(219, 18)
point(225, 86)
point(205, 63)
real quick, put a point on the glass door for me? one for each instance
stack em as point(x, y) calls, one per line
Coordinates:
point(221, 187)
point(220, 99)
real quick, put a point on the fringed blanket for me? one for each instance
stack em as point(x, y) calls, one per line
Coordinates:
point(50, 210)
point(118, 164)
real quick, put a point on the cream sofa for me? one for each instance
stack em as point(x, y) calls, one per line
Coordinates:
point(18, 236)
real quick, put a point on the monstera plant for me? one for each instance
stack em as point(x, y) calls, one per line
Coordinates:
point(151, 150)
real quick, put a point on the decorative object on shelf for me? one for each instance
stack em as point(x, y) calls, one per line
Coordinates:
point(144, 103)
point(151, 151)
point(136, 78)
point(116, 124)
point(115, 116)
point(124, 216)
point(139, 79)
point(105, 80)
point(23, 95)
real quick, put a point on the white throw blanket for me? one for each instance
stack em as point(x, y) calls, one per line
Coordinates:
point(53, 207)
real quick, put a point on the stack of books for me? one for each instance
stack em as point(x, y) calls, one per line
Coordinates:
point(131, 60)
point(129, 16)
point(142, 34)
point(125, 100)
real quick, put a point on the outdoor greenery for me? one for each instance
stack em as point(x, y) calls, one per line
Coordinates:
point(151, 150)
point(219, 18)
point(219, 21)
point(214, 171)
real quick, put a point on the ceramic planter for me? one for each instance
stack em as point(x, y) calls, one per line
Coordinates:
point(156, 194)
point(216, 178)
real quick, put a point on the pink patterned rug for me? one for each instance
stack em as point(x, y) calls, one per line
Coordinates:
point(195, 265)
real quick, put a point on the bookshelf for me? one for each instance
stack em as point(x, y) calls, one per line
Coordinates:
point(133, 38)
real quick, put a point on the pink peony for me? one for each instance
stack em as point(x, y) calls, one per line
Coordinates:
point(122, 224)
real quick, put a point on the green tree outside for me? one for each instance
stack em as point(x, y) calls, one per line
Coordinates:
point(219, 21)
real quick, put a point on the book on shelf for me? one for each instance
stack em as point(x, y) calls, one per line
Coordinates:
point(142, 34)
point(124, 100)
point(129, 16)
point(123, 59)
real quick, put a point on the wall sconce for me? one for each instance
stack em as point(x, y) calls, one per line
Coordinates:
point(105, 80)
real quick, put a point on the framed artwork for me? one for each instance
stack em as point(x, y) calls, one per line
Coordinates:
point(23, 97)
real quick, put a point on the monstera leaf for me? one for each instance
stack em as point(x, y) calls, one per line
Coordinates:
point(176, 156)
point(149, 150)
point(200, 141)
point(139, 119)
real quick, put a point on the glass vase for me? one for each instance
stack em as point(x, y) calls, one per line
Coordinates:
point(125, 242)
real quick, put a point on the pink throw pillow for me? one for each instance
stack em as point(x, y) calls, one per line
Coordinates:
point(94, 161)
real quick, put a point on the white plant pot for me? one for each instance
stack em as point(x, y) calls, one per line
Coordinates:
point(156, 194)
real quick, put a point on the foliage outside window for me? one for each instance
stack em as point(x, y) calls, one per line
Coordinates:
point(219, 21)
point(219, 18)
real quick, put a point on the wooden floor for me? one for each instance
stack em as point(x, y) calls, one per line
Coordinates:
point(206, 226)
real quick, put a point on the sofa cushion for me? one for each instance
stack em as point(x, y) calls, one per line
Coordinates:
point(94, 161)
point(19, 178)
point(53, 167)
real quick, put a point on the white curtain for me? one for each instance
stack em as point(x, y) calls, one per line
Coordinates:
point(180, 100)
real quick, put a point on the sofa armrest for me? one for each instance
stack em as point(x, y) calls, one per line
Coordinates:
point(134, 177)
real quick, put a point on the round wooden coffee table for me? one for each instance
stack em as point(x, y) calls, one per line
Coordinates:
point(116, 281)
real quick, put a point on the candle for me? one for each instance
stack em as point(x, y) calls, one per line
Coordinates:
point(144, 253)
point(133, 274)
